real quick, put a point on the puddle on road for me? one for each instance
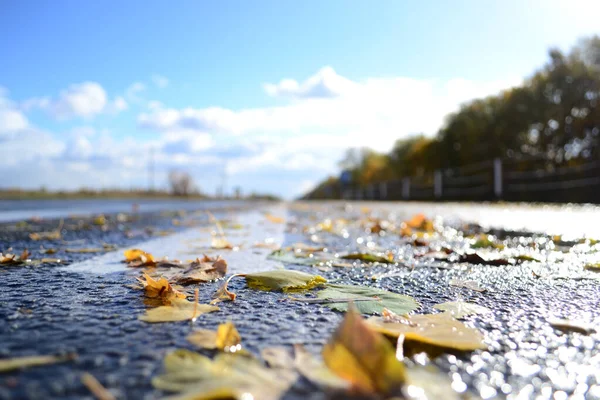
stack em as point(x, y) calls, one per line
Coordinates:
point(193, 242)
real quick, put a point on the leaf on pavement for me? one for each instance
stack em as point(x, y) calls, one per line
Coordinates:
point(371, 258)
point(179, 310)
point(439, 330)
point(398, 303)
point(572, 326)
point(13, 259)
point(284, 280)
point(474, 258)
point(223, 293)
point(220, 243)
point(228, 376)
point(11, 364)
point(460, 309)
point(274, 219)
point(139, 258)
point(363, 357)
point(50, 235)
point(160, 289)
point(203, 270)
point(468, 284)
point(226, 338)
point(316, 371)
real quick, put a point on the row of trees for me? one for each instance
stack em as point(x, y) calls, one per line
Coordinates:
point(552, 120)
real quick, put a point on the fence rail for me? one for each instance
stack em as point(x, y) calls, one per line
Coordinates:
point(487, 180)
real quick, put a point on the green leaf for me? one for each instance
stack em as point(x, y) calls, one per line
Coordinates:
point(398, 303)
point(284, 280)
point(460, 309)
point(367, 257)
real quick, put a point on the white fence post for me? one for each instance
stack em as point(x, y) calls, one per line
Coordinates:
point(406, 188)
point(437, 183)
point(383, 191)
point(498, 178)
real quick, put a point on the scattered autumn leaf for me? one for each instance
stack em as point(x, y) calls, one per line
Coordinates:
point(284, 280)
point(202, 270)
point(593, 267)
point(160, 289)
point(85, 250)
point(220, 243)
point(274, 219)
point(468, 284)
point(371, 258)
point(363, 357)
point(178, 310)
point(94, 386)
point(138, 258)
point(228, 376)
point(484, 241)
point(226, 338)
point(50, 235)
point(439, 330)
point(316, 371)
point(460, 309)
point(474, 258)
point(572, 326)
point(380, 299)
point(11, 364)
point(223, 294)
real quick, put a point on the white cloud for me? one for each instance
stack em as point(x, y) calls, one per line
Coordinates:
point(134, 90)
point(84, 100)
point(324, 84)
point(12, 119)
point(160, 81)
point(79, 100)
point(119, 104)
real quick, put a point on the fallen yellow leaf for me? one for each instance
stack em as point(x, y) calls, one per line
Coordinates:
point(439, 330)
point(363, 357)
point(179, 310)
point(11, 364)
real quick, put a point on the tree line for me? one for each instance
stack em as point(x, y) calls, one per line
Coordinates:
point(550, 121)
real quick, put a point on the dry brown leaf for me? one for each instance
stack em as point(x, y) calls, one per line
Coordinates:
point(94, 386)
point(223, 294)
point(203, 270)
point(160, 289)
point(363, 357)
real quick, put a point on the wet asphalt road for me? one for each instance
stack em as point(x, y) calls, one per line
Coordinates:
point(84, 305)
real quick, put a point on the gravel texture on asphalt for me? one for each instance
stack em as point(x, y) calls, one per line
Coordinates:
point(50, 309)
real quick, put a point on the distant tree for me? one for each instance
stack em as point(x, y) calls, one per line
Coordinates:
point(181, 183)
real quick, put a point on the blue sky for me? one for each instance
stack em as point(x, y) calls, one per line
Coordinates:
point(272, 92)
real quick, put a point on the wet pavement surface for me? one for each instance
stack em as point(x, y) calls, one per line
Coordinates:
point(84, 305)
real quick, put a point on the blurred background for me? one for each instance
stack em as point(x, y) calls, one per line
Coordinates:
point(462, 100)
